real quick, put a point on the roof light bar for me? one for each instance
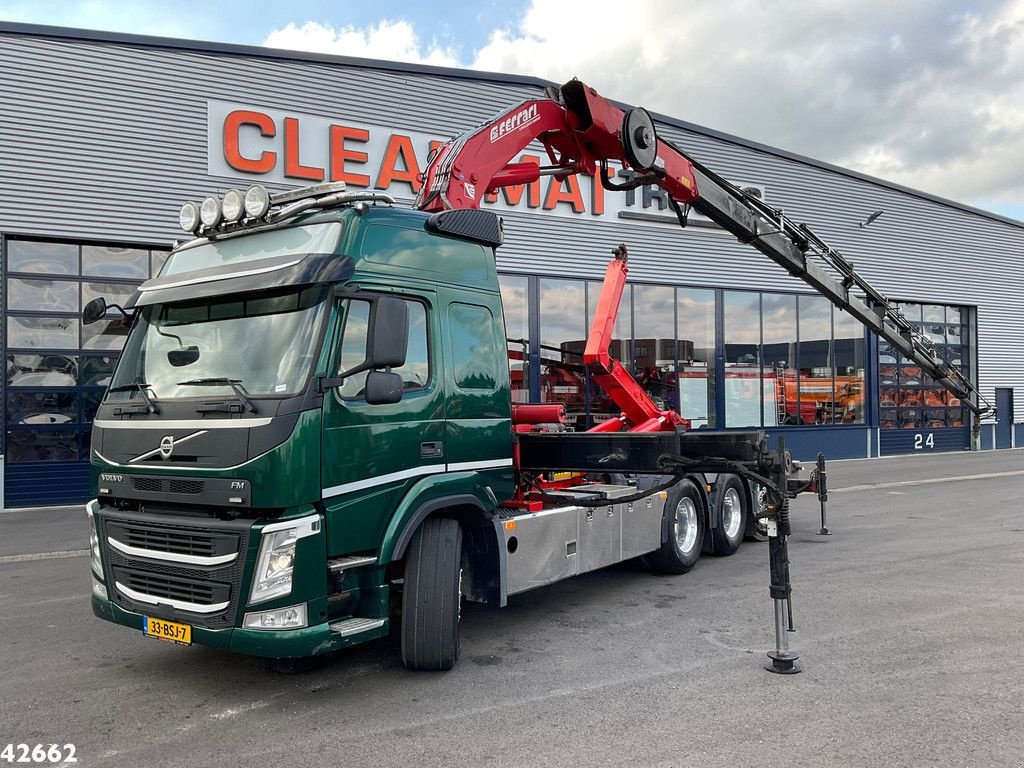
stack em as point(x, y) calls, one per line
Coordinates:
point(236, 210)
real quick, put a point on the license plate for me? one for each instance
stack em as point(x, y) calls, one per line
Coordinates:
point(168, 630)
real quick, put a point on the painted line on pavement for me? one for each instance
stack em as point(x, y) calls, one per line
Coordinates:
point(44, 556)
point(928, 481)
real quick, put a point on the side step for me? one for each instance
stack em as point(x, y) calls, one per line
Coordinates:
point(339, 564)
point(356, 626)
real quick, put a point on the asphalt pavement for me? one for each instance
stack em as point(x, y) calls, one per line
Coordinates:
point(909, 625)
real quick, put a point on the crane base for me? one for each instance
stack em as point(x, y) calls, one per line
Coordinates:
point(784, 663)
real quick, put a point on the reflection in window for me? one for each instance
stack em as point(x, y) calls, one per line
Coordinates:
point(45, 295)
point(654, 348)
point(156, 261)
point(780, 376)
point(42, 370)
point(25, 445)
point(908, 397)
point(415, 372)
point(97, 370)
point(109, 333)
point(113, 293)
point(562, 332)
point(515, 304)
point(474, 358)
point(111, 261)
point(696, 335)
point(44, 258)
point(742, 381)
point(815, 393)
point(42, 408)
point(848, 349)
point(42, 332)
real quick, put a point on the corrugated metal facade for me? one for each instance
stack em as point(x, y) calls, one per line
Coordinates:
point(103, 137)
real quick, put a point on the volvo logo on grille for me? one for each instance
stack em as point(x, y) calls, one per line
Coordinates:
point(166, 446)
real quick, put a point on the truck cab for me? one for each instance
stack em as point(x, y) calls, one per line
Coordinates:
point(302, 387)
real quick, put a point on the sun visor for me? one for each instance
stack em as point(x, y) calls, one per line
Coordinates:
point(260, 275)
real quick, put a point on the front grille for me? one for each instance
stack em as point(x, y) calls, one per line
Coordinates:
point(168, 485)
point(173, 587)
point(205, 585)
point(171, 540)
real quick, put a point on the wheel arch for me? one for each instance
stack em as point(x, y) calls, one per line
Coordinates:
point(485, 577)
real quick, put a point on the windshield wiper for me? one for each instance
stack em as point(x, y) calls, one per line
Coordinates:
point(243, 398)
point(141, 386)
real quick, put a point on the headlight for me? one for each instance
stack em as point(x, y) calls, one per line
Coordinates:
point(292, 617)
point(94, 545)
point(210, 213)
point(276, 560)
point(257, 201)
point(233, 205)
point(188, 217)
point(98, 589)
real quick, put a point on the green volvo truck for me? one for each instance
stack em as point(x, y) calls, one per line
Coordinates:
point(310, 432)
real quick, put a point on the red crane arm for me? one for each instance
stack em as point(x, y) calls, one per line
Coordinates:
point(580, 130)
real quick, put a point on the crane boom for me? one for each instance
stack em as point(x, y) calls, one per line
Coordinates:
point(582, 132)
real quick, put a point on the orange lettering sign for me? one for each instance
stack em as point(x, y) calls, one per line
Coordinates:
point(340, 155)
point(233, 155)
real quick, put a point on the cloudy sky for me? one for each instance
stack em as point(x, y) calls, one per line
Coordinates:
point(926, 93)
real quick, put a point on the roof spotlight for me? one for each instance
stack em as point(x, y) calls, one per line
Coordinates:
point(257, 201)
point(188, 217)
point(210, 213)
point(233, 205)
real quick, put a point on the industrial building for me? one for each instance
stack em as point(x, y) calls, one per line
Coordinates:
point(104, 136)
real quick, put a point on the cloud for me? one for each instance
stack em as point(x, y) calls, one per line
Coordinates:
point(925, 93)
point(388, 40)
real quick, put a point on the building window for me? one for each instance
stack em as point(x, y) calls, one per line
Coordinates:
point(815, 396)
point(908, 398)
point(515, 300)
point(563, 327)
point(781, 398)
point(742, 379)
point(695, 332)
point(57, 368)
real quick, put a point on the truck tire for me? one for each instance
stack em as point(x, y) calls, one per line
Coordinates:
point(685, 517)
point(432, 596)
point(757, 529)
point(732, 507)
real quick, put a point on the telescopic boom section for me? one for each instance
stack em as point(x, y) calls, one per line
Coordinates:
point(581, 132)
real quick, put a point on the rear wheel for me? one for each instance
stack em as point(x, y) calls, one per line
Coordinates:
point(732, 507)
point(684, 515)
point(431, 600)
point(757, 528)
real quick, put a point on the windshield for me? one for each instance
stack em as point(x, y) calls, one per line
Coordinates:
point(263, 343)
point(310, 238)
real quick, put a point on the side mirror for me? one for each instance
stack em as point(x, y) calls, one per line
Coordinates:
point(94, 310)
point(389, 333)
point(184, 356)
point(383, 388)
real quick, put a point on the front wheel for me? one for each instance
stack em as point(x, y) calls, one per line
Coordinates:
point(732, 508)
point(432, 596)
point(684, 515)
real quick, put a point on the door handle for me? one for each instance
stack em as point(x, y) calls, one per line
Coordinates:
point(432, 449)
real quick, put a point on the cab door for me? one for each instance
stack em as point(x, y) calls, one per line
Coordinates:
point(372, 454)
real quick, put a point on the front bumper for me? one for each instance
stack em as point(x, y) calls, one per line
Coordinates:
point(278, 644)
